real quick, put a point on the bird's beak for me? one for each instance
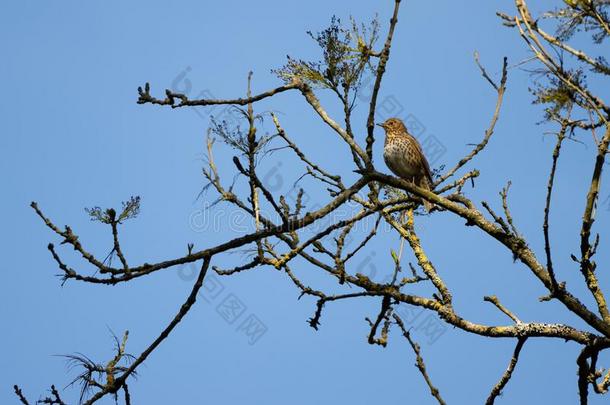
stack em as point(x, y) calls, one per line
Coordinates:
point(380, 125)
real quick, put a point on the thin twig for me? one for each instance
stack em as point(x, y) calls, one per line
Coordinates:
point(383, 315)
point(282, 133)
point(184, 309)
point(494, 300)
point(547, 207)
point(170, 97)
point(490, 130)
point(383, 60)
point(507, 214)
point(127, 395)
point(20, 395)
point(497, 389)
point(421, 366)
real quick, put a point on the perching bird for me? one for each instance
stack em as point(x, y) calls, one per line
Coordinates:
point(404, 156)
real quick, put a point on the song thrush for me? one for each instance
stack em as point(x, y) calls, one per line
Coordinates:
point(404, 157)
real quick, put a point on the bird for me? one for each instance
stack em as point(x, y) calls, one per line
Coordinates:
point(404, 156)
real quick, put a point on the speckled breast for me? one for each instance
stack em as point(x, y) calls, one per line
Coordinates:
point(398, 156)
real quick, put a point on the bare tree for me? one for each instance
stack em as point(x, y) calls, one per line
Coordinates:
point(283, 232)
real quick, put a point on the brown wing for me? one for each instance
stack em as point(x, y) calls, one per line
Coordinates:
point(423, 160)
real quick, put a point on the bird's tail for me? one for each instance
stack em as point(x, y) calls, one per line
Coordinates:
point(425, 183)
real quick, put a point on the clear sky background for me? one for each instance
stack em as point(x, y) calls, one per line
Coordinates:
point(74, 137)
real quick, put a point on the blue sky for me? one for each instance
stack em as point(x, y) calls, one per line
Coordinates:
point(74, 137)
